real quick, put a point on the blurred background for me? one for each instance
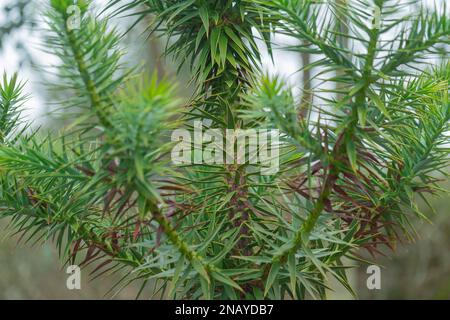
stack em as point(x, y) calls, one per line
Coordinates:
point(419, 270)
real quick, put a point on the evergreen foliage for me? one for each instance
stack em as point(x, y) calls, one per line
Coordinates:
point(373, 140)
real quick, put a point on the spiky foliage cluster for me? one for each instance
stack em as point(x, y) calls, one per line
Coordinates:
point(351, 167)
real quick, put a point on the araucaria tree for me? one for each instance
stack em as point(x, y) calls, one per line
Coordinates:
point(353, 158)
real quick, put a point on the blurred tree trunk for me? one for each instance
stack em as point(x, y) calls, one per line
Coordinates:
point(306, 82)
point(341, 28)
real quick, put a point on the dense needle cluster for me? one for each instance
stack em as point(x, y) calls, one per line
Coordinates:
point(355, 156)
